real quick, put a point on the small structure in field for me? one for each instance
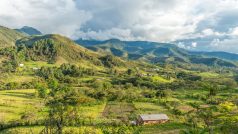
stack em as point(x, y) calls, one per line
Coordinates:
point(21, 65)
point(145, 119)
point(35, 68)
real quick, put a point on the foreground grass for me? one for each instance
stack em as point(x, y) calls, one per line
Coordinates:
point(167, 128)
point(39, 129)
point(15, 103)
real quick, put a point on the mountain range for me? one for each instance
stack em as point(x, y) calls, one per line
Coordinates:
point(154, 52)
point(59, 48)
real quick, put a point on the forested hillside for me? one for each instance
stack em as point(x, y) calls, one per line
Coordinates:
point(154, 52)
point(51, 85)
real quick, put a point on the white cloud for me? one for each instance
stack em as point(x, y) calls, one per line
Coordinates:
point(153, 20)
point(215, 42)
point(114, 33)
point(156, 20)
point(49, 16)
point(234, 31)
point(194, 44)
point(227, 45)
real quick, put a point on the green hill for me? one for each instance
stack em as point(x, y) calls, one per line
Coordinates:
point(59, 49)
point(8, 37)
point(153, 52)
point(222, 55)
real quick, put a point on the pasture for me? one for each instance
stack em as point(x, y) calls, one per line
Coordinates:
point(16, 103)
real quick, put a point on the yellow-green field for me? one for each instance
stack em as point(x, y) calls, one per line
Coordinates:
point(161, 79)
point(15, 103)
point(149, 108)
point(208, 74)
point(17, 78)
point(92, 112)
point(39, 129)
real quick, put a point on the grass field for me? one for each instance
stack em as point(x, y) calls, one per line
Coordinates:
point(208, 74)
point(15, 103)
point(167, 128)
point(17, 78)
point(119, 110)
point(149, 108)
point(93, 112)
point(161, 79)
point(38, 64)
point(39, 129)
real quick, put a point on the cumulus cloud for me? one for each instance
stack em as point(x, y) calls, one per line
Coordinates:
point(49, 16)
point(186, 21)
point(234, 31)
point(227, 45)
point(156, 20)
point(161, 20)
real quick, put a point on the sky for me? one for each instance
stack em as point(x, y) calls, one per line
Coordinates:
point(196, 25)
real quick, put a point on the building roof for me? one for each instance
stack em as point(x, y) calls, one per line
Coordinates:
point(149, 117)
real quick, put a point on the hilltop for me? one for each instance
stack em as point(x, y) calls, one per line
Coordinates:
point(59, 49)
point(29, 30)
point(9, 36)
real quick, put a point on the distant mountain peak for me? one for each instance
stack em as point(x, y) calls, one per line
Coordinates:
point(29, 30)
point(113, 40)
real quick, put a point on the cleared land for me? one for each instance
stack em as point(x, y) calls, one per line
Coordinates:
point(119, 110)
point(16, 103)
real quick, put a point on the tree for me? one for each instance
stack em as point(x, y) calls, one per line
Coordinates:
point(207, 115)
point(62, 103)
point(130, 71)
point(42, 91)
point(107, 85)
point(212, 90)
point(163, 93)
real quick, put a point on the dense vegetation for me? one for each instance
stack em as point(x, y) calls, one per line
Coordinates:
point(48, 84)
point(159, 52)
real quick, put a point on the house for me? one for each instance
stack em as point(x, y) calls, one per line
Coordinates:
point(145, 119)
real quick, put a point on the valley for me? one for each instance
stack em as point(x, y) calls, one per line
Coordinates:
point(50, 84)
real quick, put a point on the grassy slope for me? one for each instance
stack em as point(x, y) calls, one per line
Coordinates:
point(64, 47)
point(64, 50)
point(14, 103)
point(8, 37)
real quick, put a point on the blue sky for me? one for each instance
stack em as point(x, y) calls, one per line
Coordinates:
point(207, 25)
